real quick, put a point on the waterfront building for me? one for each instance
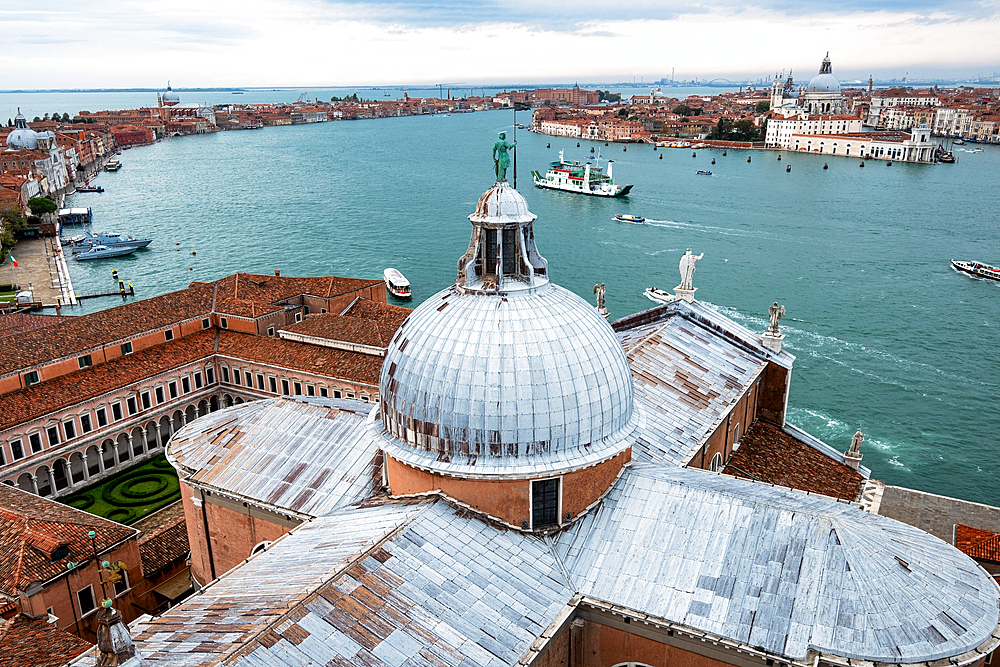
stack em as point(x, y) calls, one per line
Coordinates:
point(31, 152)
point(88, 396)
point(783, 93)
point(782, 130)
point(822, 94)
point(575, 96)
point(538, 487)
point(883, 100)
point(914, 146)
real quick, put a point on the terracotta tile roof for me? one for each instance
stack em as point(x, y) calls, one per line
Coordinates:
point(280, 353)
point(36, 642)
point(977, 543)
point(31, 527)
point(163, 546)
point(364, 322)
point(775, 457)
point(32, 402)
point(86, 332)
point(15, 323)
point(262, 289)
point(367, 309)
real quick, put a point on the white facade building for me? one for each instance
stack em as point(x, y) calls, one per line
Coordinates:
point(884, 100)
point(916, 146)
point(781, 131)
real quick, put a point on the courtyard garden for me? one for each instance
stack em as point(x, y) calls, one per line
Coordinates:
point(131, 494)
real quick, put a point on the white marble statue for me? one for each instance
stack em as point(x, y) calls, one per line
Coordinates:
point(687, 269)
point(776, 312)
point(856, 443)
point(599, 291)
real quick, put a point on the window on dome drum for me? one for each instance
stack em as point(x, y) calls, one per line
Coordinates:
point(116, 411)
point(489, 252)
point(126, 348)
point(159, 395)
point(509, 252)
point(249, 379)
point(225, 374)
point(102, 417)
point(121, 586)
point(147, 403)
point(86, 599)
point(131, 405)
point(168, 335)
point(35, 440)
point(85, 361)
point(16, 450)
point(85, 423)
point(172, 386)
point(210, 375)
point(69, 427)
point(30, 378)
point(205, 323)
point(545, 503)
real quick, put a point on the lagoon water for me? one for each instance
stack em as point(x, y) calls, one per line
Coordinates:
point(888, 338)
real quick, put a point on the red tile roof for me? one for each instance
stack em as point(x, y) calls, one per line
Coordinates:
point(36, 642)
point(31, 527)
point(364, 322)
point(163, 546)
point(977, 543)
point(765, 453)
point(15, 323)
point(380, 312)
point(38, 400)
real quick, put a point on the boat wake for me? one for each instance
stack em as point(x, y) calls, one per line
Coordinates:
point(708, 229)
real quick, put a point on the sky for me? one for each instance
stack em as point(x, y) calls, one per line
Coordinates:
point(307, 43)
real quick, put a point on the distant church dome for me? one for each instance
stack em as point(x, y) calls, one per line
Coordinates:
point(170, 98)
point(504, 372)
point(21, 137)
point(825, 81)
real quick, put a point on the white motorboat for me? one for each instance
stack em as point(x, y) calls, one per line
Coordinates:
point(103, 251)
point(659, 295)
point(397, 284)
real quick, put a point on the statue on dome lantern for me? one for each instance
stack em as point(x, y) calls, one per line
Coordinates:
point(501, 158)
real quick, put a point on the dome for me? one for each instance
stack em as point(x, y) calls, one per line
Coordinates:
point(505, 376)
point(825, 81)
point(170, 97)
point(22, 136)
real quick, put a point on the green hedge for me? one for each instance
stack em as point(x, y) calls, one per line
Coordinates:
point(131, 494)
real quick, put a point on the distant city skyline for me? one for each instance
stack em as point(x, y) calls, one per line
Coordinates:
point(314, 43)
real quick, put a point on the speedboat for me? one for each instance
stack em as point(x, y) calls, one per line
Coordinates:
point(397, 283)
point(977, 269)
point(702, 172)
point(659, 295)
point(627, 217)
point(110, 239)
point(103, 251)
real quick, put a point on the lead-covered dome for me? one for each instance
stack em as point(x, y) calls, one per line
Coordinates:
point(825, 81)
point(22, 137)
point(505, 373)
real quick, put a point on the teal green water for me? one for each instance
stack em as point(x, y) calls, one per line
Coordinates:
point(888, 338)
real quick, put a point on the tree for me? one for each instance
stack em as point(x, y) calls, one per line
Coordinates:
point(66, 118)
point(608, 96)
point(36, 119)
point(745, 130)
point(11, 220)
point(763, 107)
point(722, 129)
point(40, 205)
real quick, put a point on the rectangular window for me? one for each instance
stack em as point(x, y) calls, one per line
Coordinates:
point(509, 252)
point(86, 599)
point(197, 380)
point(225, 374)
point(284, 387)
point(116, 411)
point(225, 323)
point(102, 417)
point(147, 403)
point(69, 428)
point(85, 361)
point(490, 253)
point(159, 395)
point(85, 423)
point(36, 442)
point(126, 348)
point(270, 331)
point(298, 388)
point(168, 335)
point(3, 458)
point(336, 393)
point(323, 392)
point(185, 385)
point(172, 386)
point(350, 394)
point(204, 323)
point(130, 404)
point(236, 376)
point(274, 385)
point(122, 585)
point(545, 503)
point(298, 317)
point(210, 375)
point(249, 379)
point(305, 309)
point(311, 390)
point(30, 378)
point(16, 450)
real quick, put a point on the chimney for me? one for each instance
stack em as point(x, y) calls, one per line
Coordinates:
point(277, 272)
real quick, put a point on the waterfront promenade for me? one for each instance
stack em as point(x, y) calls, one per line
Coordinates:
point(42, 269)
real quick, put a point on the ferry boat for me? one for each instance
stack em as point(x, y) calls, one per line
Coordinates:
point(628, 217)
point(977, 269)
point(659, 295)
point(103, 251)
point(397, 283)
point(113, 165)
point(586, 179)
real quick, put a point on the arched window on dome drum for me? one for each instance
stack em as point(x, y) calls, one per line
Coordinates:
point(489, 253)
point(510, 252)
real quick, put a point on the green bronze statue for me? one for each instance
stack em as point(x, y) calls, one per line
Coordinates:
point(501, 160)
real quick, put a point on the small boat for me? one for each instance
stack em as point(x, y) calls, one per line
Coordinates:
point(628, 217)
point(788, 169)
point(702, 172)
point(113, 165)
point(87, 240)
point(826, 165)
point(103, 251)
point(889, 163)
point(90, 188)
point(397, 283)
point(958, 142)
point(658, 295)
point(977, 269)
point(713, 160)
point(862, 164)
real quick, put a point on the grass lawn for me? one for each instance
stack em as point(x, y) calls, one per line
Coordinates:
point(131, 494)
